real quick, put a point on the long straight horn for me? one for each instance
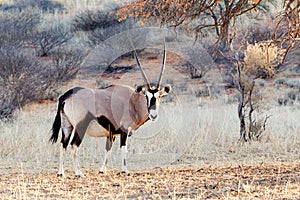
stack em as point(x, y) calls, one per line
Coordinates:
point(162, 67)
point(142, 71)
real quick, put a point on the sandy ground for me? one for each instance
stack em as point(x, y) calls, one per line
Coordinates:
point(260, 182)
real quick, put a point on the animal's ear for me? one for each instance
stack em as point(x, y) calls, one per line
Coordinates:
point(141, 89)
point(165, 90)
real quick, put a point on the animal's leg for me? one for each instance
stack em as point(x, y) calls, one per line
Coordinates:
point(109, 143)
point(79, 133)
point(61, 162)
point(66, 135)
point(124, 150)
point(74, 150)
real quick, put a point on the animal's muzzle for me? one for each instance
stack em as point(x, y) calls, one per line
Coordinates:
point(153, 115)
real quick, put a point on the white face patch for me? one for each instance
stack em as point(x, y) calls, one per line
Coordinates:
point(153, 115)
point(149, 96)
point(156, 95)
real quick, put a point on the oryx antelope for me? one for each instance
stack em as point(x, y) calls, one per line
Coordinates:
point(117, 110)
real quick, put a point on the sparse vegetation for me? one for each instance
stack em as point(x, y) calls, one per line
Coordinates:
point(50, 36)
point(100, 25)
point(260, 61)
point(26, 35)
point(22, 78)
point(40, 56)
point(16, 27)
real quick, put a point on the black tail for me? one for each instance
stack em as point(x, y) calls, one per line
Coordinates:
point(57, 122)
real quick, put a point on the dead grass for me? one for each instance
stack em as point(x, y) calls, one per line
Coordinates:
point(191, 152)
point(200, 159)
point(193, 141)
point(260, 181)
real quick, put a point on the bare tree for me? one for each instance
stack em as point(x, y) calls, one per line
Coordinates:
point(198, 15)
point(287, 32)
point(260, 61)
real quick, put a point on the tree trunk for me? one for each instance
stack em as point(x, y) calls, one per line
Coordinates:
point(242, 119)
point(251, 122)
point(241, 106)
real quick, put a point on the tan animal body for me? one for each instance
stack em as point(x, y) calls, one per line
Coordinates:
point(117, 110)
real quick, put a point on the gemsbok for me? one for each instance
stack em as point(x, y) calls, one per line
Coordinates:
point(116, 110)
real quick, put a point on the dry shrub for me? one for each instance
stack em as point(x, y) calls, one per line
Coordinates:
point(25, 77)
point(49, 37)
point(261, 59)
point(99, 25)
point(90, 20)
point(17, 26)
point(66, 63)
point(22, 79)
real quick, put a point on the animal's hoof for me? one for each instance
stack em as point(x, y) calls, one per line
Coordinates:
point(124, 172)
point(80, 176)
point(61, 175)
point(103, 170)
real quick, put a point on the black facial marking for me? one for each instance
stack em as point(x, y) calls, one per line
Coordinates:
point(153, 99)
point(147, 102)
point(153, 91)
point(153, 103)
